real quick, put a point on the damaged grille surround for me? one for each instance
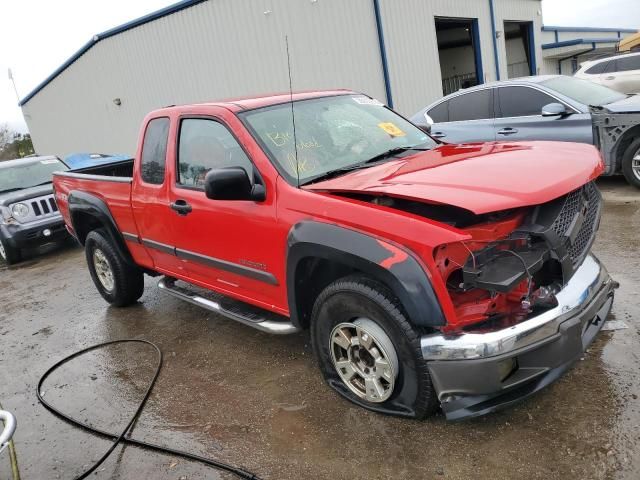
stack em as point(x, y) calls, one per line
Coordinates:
point(562, 230)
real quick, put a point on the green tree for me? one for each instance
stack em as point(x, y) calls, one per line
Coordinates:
point(14, 145)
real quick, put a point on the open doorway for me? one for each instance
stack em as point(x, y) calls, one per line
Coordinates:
point(521, 58)
point(459, 52)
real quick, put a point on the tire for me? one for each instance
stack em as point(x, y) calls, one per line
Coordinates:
point(360, 302)
point(119, 283)
point(9, 254)
point(630, 173)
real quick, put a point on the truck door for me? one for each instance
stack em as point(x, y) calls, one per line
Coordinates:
point(150, 197)
point(231, 246)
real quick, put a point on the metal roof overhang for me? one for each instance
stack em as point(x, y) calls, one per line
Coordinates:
point(576, 47)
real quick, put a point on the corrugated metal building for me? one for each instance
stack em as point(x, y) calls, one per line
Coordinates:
point(404, 52)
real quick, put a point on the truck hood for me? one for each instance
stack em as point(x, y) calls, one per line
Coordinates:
point(25, 194)
point(630, 104)
point(480, 177)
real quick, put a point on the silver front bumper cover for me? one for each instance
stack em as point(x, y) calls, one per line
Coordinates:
point(589, 282)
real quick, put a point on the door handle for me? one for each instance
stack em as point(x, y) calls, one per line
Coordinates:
point(438, 134)
point(181, 207)
point(610, 77)
point(507, 131)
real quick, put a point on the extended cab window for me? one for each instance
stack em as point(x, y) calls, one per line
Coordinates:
point(522, 101)
point(470, 106)
point(205, 145)
point(154, 151)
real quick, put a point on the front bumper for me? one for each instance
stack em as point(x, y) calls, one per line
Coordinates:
point(468, 370)
point(32, 234)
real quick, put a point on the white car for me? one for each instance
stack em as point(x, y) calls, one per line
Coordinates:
point(620, 72)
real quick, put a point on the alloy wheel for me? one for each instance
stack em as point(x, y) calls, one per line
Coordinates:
point(103, 270)
point(365, 359)
point(635, 164)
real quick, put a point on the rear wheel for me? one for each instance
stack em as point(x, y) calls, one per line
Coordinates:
point(631, 163)
point(368, 351)
point(9, 254)
point(119, 283)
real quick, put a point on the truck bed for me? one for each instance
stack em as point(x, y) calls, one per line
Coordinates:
point(110, 183)
point(121, 169)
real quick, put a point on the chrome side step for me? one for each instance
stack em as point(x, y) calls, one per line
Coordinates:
point(235, 310)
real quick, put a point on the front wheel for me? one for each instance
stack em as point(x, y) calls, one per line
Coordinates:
point(119, 283)
point(631, 163)
point(9, 254)
point(367, 350)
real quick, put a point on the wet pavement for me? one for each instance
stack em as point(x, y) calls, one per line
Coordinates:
point(258, 401)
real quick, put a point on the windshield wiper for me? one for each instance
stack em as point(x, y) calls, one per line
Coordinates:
point(390, 153)
point(377, 159)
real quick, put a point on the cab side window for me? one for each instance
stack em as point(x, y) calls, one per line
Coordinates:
point(440, 113)
point(596, 69)
point(205, 145)
point(471, 106)
point(626, 64)
point(154, 151)
point(522, 101)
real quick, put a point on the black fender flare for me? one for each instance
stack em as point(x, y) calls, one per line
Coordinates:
point(81, 204)
point(393, 265)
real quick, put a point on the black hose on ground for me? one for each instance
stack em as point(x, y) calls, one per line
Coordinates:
point(122, 437)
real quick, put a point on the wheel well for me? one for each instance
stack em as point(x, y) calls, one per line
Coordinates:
point(628, 137)
point(313, 275)
point(84, 223)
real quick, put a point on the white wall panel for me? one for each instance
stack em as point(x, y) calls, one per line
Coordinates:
point(214, 50)
point(228, 48)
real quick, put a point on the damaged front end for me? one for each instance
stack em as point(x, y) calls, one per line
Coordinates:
point(611, 134)
point(499, 278)
point(528, 303)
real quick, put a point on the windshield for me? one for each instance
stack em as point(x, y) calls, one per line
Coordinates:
point(16, 176)
point(332, 133)
point(583, 91)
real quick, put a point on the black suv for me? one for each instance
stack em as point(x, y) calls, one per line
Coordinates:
point(29, 216)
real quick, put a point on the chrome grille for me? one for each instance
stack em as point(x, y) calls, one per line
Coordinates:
point(584, 203)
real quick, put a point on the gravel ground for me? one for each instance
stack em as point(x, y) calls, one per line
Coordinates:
point(229, 392)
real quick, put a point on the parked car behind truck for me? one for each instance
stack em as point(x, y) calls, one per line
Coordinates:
point(619, 72)
point(428, 274)
point(548, 107)
point(29, 216)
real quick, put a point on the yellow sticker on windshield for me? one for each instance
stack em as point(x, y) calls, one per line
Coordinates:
point(391, 129)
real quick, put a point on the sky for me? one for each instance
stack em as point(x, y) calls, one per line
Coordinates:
point(37, 36)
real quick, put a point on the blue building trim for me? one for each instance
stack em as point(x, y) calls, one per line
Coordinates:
point(383, 53)
point(578, 41)
point(477, 51)
point(560, 60)
point(176, 7)
point(533, 66)
point(495, 40)
point(550, 28)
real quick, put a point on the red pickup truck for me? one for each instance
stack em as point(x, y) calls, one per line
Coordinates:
point(429, 274)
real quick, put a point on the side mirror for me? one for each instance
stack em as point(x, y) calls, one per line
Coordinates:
point(425, 128)
point(554, 110)
point(232, 183)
